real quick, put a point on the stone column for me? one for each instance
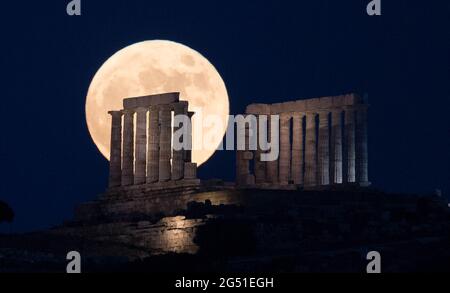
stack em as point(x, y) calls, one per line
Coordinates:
point(188, 153)
point(178, 156)
point(190, 171)
point(248, 155)
point(115, 164)
point(324, 150)
point(272, 166)
point(336, 148)
point(259, 166)
point(310, 151)
point(128, 148)
point(153, 146)
point(297, 149)
point(362, 176)
point(243, 158)
point(350, 145)
point(242, 168)
point(284, 168)
point(141, 146)
point(165, 143)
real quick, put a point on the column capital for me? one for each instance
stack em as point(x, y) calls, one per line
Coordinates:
point(154, 107)
point(298, 114)
point(181, 106)
point(181, 103)
point(165, 107)
point(128, 111)
point(337, 110)
point(141, 110)
point(116, 113)
point(285, 116)
point(356, 107)
point(323, 112)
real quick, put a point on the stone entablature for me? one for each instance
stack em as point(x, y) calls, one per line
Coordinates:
point(142, 153)
point(315, 104)
point(323, 142)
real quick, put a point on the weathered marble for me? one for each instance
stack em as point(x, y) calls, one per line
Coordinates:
point(188, 152)
point(362, 176)
point(272, 166)
point(190, 171)
point(319, 156)
point(323, 150)
point(336, 148)
point(152, 100)
point(141, 146)
point(115, 165)
point(153, 146)
point(297, 149)
point(179, 155)
point(165, 143)
point(285, 150)
point(311, 151)
point(259, 166)
point(350, 145)
point(142, 154)
point(128, 148)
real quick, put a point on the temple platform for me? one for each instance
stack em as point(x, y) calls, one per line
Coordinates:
point(139, 200)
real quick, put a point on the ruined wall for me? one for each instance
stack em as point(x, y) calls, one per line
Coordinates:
point(173, 234)
point(322, 142)
point(257, 222)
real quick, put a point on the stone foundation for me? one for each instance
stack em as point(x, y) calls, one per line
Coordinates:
point(261, 222)
point(169, 235)
point(137, 200)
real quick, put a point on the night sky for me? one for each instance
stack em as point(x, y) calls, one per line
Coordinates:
point(266, 51)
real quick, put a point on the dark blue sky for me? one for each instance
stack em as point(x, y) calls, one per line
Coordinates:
point(266, 51)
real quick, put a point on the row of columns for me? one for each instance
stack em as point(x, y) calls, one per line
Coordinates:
point(315, 158)
point(146, 156)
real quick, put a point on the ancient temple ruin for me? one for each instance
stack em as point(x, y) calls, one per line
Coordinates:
point(142, 154)
point(323, 142)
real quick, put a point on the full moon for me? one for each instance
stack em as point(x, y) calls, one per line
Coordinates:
point(154, 67)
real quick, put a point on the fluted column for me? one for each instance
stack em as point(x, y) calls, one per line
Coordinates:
point(272, 166)
point(141, 146)
point(128, 148)
point(297, 149)
point(242, 168)
point(324, 149)
point(310, 151)
point(153, 145)
point(188, 152)
point(243, 158)
point(259, 166)
point(248, 155)
point(284, 168)
point(165, 143)
point(350, 145)
point(115, 160)
point(336, 148)
point(178, 155)
point(362, 175)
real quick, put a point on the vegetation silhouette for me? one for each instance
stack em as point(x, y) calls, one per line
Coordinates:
point(6, 213)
